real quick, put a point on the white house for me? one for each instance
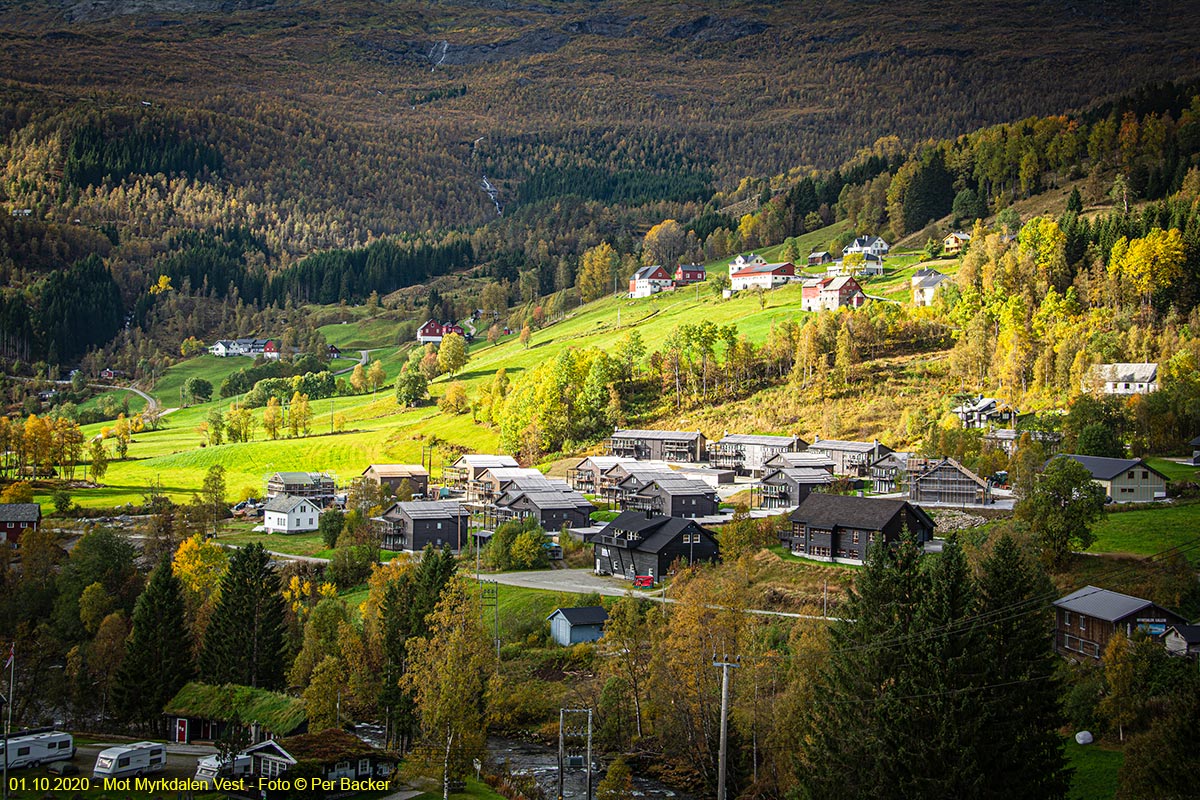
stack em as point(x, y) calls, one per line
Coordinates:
point(925, 283)
point(1125, 378)
point(649, 280)
point(742, 262)
point(763, 276)
point(288, 514)
point(868, 244)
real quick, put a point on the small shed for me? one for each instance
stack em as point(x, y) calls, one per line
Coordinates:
point(570, 626)
point(1182, 640)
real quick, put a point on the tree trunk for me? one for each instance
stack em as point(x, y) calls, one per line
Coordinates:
point(446, 765)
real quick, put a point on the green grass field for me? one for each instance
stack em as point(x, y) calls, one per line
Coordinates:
point(211, 368)
point(1096, 770)
point(1148, 531)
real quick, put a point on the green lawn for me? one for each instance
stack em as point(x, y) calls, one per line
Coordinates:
point(1173, 469)
point(1096, 771)
point(211, 368)
point(1148, 531)
point(137, 403)
point(364, 334)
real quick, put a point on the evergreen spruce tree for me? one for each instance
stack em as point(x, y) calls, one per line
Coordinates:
point(1021, 708)
point(158, 655)
point(1075, 201)
point(859, 739)
point(244, 641)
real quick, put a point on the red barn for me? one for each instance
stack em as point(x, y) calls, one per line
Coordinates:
point(689, 273)
point(16, 518)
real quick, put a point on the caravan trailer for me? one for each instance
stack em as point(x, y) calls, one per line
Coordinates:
point(209, 768)
point(128, 760)
point(36, 749)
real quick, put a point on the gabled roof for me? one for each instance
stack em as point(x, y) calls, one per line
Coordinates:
point(20, 512)
point(925, 272)
point(761, 441)
point(929, 281)
point(1189, 633)
point(654, 435)
point(1127, 373)
point(485, 461)
point(582, 615)
point(802, 475)
point(843, 445)
point(680, 486)
point(950, 462)
point(803, 459)
point(847, 511)
point(302, 478)
point(605, 463)
point(511, 473)
point(286, 503)
point(839, 283)
point(328, 747)
point(765, 269)
point(656, 531)
point(691, 267)
point(1102, 603)
point(645, 272)
point(548, 499)
point(977, 405)
point(966, 237)
point(427, 509)
point(1105, 469)
point(397, 470)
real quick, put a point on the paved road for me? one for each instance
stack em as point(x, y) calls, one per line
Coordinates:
point(181, 758)
point(363, 357)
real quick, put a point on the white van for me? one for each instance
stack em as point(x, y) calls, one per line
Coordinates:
point(209, 768)
point(127, 760)
point(36, 749)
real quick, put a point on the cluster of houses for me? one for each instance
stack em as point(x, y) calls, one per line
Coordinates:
point(432, 331)
point(651, 280)
point(254, 348)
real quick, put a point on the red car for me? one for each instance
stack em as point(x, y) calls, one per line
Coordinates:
point(643, 581)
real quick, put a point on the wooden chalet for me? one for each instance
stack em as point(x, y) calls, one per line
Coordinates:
point(641, 543)
point(17, 518)
point(889, 473)
point(317, 487)
point(658, 445)
point(946, 482)
point(806, 458)
point(493, 482)
point(984, 412)
point(469, 467)
point(850, 458)
point(338, 753)
point(393, 475)
point(204, 712)
point(748, 453)
point(672, 496)
point(842, 528)
point(552, 508)
point(615, 484)
point(1086, 619)
point(786, 487)
point(411, 526)
point(1124, 480)
point(585, 475)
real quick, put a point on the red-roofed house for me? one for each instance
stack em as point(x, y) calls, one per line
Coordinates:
point(831, 293)
point(764, 276)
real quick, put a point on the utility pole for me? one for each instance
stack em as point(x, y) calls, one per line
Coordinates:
point(577, 732)
point(725, 664)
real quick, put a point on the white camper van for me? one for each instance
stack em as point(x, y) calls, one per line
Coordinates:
point(209, 768)
point(36, 749)
point(128, 760)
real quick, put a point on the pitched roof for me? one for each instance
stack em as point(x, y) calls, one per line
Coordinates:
point(583, 615)
point(802, 475)
point(842, 444)
point(603, 463)
point(20, 512)
point(765, 269)
point(646, 272)
point(957, 467)
point(303, 478)
point(1128, 373)
point(1102, 603)
point(397, 470)
point(485, 461)
point(925, 272)
point(680, 486)
point(511, 473)
point(656, 531)
point(278, 713)
point(929, 281)
point(427, 509)
point(838, 283)
point(655, 435)
point(1105, 469)
point(328, 747)
point(548, 499)
point(848, 511)
point(286, 503)
point(756, 439)
point(804, 459)
point(1189, 633)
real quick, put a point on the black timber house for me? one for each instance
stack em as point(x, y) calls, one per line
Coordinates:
point(687, 446)
point(843, 528)
point(638, 543)
point(409, 527)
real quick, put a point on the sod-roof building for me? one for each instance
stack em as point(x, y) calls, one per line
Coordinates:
point(203, 712)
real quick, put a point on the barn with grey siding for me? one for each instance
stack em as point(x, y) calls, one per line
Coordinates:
point(570, 626)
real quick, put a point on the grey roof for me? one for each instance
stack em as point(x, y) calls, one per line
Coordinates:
point(645, 272)
point(1189, 633)
point(482, 460)
point(980, 403)
point(303, 478)
point(397, 470)
point(848, 511)
point(681, 486)
point(841, 444)
point(926, 272)
point(20, 512)
point(583, 615)
point(756, 439)
point(286, 503)
point(671, 436)
point(427, 509)
point(928, 281)
point(1105, 469)
point(511, 473)
point(1128, 373)
point(656, 531)
point(802, 475)
point(603, 463)
point(805, 459)
point(1102, 603)
point(933, 466)
point(548, 499)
